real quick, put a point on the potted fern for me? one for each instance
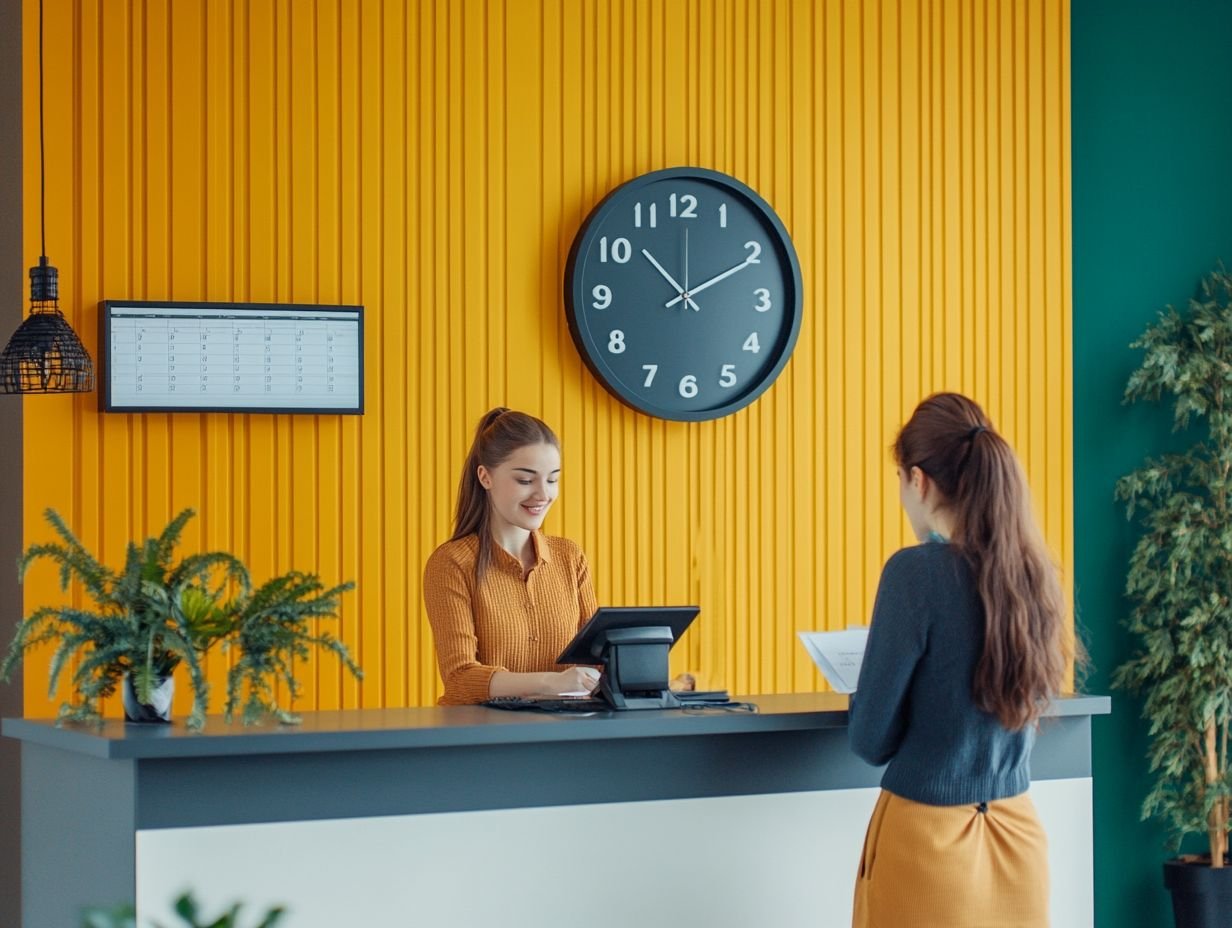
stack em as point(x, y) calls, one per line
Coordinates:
point(1180, 585)
point(156, 613)
point(142, 621)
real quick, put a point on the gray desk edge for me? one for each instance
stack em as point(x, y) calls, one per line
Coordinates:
point(454, 726)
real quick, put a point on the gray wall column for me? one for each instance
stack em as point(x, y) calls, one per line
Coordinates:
point(12, 303)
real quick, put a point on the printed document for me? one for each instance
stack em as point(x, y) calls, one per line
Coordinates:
point(838, 655)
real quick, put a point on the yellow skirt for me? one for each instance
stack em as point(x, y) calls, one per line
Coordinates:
point(953, 866)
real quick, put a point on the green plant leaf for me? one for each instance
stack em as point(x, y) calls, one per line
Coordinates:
point(1179, 580)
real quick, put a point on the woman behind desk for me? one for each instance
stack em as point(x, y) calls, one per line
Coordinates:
point(967, 645)
point(503, 598)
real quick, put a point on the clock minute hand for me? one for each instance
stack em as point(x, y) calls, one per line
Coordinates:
point(711, 282)
point(668, 277)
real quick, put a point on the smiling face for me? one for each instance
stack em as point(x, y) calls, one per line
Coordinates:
point(522, 488)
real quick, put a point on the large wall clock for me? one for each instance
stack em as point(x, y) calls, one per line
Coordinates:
point(683, 294)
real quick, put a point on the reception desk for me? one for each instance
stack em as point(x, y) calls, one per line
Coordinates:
point(459, 816)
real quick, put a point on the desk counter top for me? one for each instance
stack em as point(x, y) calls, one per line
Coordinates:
point(452, 726)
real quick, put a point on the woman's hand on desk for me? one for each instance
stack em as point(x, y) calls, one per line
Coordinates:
point(579, 680)
point(570, 681)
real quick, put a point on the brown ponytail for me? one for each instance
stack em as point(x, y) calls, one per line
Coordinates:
point(499, 434)
point(1026, 644)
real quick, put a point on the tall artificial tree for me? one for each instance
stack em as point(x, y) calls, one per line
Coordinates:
point(1180, 573)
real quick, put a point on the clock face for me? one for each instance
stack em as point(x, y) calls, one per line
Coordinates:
point(683, 294)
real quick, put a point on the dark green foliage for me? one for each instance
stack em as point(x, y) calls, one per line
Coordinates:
point(156, 613)
point(273, 627)
point(145, 619)
point(1180, 573)
point(185, 907)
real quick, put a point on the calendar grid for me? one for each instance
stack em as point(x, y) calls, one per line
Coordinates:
point(229, 357)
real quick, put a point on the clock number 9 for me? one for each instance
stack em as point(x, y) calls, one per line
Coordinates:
point(688, 386)
point(616, 342)
point(763, 302)
point(603, 296)
point(622, 251)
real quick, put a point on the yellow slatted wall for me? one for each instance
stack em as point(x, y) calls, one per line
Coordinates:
point(432, 160)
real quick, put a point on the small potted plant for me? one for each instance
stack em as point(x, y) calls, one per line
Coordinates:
point(1180, 584)
point(157, 613)
point(141, 622)
point(272, 627)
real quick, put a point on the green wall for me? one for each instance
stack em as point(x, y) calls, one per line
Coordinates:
point(1152, 200)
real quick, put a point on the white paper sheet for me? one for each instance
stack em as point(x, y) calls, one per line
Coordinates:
point(838, 655)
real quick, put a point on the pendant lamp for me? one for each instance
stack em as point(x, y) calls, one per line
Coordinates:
point(45, 355)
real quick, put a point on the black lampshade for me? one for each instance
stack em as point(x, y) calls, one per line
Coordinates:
point(45, 355)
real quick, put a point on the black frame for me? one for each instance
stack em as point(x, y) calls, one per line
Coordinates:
point(105, 316)
point(607, 618)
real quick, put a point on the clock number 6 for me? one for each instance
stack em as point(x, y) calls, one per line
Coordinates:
point(763, 302)
point(688, 386)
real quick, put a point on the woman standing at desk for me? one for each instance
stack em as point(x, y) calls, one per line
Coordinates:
point(967, 645)
point(503, 598)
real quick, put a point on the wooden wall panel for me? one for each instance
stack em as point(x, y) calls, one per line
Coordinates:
point(433, 160)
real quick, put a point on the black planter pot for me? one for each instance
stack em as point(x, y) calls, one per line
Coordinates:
point(1201, 894)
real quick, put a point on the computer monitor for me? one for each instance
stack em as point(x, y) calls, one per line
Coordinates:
point(631, 644)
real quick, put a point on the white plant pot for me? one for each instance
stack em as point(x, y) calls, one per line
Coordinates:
point(159, 709)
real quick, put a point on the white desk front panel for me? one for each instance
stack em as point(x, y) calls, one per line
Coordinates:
point(786, 860)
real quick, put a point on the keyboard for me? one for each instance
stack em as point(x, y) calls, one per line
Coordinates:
point(548, 704)
point(577, 704)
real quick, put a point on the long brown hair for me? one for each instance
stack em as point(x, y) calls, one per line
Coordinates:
point(1026, 642)
point(499, 434)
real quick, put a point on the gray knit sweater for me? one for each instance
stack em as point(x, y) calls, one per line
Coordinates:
point(913, 708)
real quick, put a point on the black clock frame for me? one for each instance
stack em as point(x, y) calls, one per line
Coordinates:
point(780, 244)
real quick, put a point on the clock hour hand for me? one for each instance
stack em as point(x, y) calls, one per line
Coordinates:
point(675, 286)
point(711, 282)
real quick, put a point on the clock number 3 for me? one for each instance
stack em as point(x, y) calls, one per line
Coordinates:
point(763, 299)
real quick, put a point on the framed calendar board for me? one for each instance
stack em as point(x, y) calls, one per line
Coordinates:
point(231, 357)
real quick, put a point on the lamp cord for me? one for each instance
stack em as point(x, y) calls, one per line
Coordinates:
point(42, 144)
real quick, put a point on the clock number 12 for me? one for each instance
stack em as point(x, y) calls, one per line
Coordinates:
point(688, 206)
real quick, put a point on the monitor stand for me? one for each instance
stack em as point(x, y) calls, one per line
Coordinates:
point(635, 674)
